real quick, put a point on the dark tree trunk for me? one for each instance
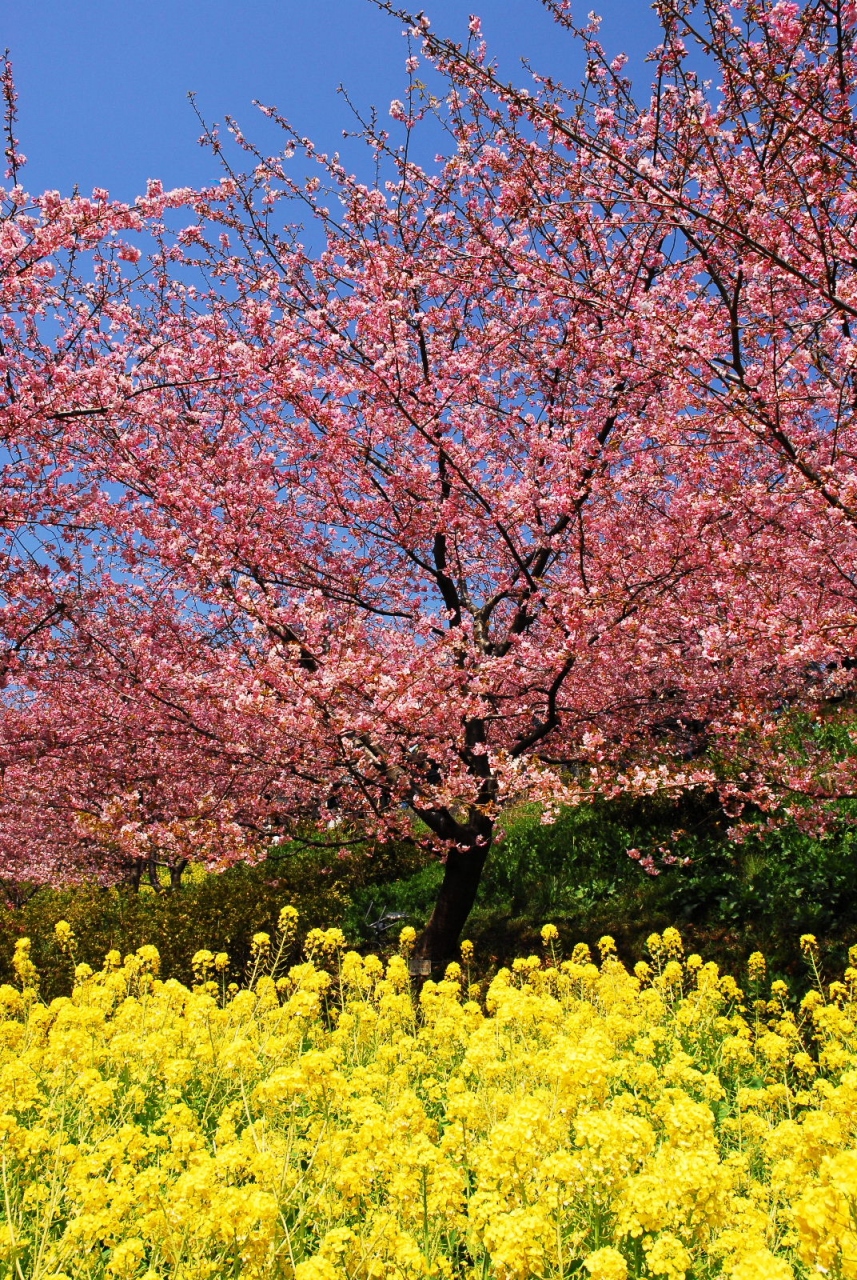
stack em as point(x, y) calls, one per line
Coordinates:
point(176, 873)
point(134, 874)
point(469, 839)
point(438, 943)
point(18, 893)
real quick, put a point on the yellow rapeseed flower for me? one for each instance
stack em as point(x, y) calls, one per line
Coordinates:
point(606, 1264)
point(330, 1122)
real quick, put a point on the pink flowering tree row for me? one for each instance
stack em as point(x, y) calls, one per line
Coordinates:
point(528, 473)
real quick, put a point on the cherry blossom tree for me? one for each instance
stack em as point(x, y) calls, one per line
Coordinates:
point(105, 776)
point(525, 473)
point(66, 268)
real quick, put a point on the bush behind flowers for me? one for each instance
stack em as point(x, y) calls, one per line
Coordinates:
point(229, 905)
point(324, 1122)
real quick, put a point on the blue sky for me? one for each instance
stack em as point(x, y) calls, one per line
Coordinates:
point(103, 83)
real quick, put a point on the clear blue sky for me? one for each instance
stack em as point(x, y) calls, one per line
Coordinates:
point(103, 83)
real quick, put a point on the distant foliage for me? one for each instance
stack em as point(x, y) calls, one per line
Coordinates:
point(731, 897)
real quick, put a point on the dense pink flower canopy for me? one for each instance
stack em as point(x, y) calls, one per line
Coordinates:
point(528, 474)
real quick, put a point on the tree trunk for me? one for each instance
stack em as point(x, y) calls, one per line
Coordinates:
point(438, 943)
point(469, 840)
point(135, 873)
point(18, 893)
point(176, 872)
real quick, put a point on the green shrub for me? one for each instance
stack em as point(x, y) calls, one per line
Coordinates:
point(729, 898)
point(221, 910)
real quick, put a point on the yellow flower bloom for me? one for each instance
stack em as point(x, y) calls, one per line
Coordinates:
point(667, 1256)
point(64, 935)
point(606, 1264)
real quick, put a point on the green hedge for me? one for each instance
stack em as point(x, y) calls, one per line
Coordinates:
point(220, 911)
point(729, 899)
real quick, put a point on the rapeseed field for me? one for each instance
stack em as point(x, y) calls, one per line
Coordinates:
point(571, 1119)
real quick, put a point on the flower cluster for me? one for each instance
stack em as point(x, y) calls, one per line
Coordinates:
point(570, 1118)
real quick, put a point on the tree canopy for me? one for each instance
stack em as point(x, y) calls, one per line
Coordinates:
point(529, 473)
